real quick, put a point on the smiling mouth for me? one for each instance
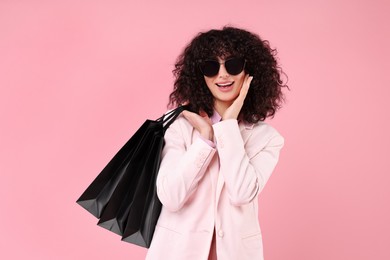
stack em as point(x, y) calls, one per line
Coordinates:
point(224, 85)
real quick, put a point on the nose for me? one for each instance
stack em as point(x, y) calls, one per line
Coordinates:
point(222, 73)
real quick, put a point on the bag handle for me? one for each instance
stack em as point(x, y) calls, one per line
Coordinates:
point(171, 116)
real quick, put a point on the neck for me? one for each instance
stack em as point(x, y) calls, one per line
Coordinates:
point(221, 107)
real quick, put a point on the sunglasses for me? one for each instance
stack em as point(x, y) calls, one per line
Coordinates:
point(233, 66)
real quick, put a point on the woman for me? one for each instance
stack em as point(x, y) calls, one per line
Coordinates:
point(216, 162)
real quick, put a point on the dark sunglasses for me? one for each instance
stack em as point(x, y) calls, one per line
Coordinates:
point(233, 66)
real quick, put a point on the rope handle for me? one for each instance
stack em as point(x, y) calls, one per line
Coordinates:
point(168, 118)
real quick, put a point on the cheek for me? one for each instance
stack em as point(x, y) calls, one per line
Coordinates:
point(209, 82)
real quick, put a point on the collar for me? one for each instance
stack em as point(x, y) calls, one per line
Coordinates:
point(215, 118)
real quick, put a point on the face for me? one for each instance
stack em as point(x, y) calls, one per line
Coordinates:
point(224, 87)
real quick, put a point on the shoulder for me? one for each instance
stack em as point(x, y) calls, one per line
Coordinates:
point(263, 131)
point(263, 127)
point(180, 125)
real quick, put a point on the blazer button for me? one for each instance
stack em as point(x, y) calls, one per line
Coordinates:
point(220, 233)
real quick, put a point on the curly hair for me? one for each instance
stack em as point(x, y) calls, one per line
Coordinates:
point(265, 94)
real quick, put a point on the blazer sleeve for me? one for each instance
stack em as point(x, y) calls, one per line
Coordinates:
point(181, 168)
point(245, 177)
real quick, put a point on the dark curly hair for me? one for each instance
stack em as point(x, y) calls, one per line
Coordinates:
point(265, 94)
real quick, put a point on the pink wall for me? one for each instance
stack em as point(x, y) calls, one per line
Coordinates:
point(77, 78)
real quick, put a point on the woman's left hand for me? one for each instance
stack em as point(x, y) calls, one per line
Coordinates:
point(233, 111)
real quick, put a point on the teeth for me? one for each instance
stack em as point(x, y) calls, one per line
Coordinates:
point(226, 84)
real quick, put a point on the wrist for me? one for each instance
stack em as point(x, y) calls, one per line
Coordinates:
point(207, 134)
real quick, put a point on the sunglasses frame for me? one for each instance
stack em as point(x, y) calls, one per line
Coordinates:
point(220, 63)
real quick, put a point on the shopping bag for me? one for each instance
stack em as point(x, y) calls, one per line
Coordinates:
point(146, 207)
point(98, 193)
point(115, 213)
point(127, 184)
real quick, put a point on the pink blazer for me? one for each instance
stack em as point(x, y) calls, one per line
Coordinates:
point(193, 204)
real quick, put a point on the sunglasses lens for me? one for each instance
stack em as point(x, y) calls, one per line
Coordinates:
point(210, 68)
point(235, 66)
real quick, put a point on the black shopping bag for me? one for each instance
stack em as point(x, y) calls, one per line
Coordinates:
point(98, 193)
point(115, 213)
point(124, 194)
point(146, 207)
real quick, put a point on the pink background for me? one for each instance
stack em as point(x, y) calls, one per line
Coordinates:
point(77, 78)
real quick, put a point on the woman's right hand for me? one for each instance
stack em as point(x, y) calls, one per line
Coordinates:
point(200, 122)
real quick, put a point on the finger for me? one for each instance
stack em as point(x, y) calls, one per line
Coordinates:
point(245, 88)
point(205, 116)
point(190, 116)
point(187, 114)
point(247, 82)
point(202, 113)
